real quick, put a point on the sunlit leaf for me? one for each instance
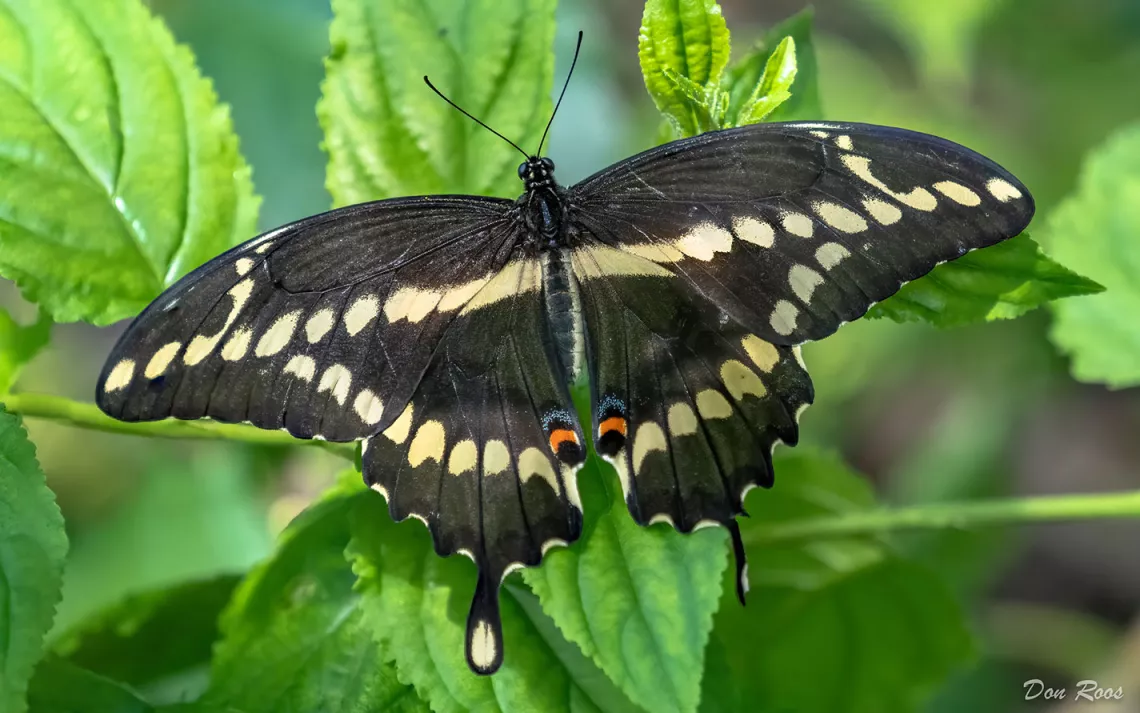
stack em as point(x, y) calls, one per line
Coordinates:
point(744, 74)
point(1095, 231)
point(32, 548)
point(999, 282)
point(388, 135)
point(774, 87)
point(119, 169)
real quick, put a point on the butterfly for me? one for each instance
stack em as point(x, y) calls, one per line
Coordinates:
point(444, 331)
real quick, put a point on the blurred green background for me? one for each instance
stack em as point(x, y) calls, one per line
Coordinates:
point(928, 415)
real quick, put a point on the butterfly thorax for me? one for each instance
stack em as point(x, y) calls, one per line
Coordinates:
point(543, 204)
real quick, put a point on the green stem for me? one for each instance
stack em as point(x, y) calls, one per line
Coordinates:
point(961, 515)
point(84, 415)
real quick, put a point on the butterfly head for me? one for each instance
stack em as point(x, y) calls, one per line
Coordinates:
point(537, 172)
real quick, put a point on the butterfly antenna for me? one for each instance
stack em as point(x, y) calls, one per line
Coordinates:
point(559, 103)
point(468, 115)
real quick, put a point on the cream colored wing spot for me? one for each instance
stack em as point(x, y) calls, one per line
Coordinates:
point(840, 217)
point(619, 463)
point(379, 488)
point(264, 247)
point(918, 198)
point(819, 134)
point(410, 303)
point(655, 252)
point(711, 404)
point(763, 354)
point(496, 457)
point(784, 316)
point(428, 444)
point(755, 231)
point(369, 407)
point(120, 376)
point(958, 193)
point(517, 277)
point(401, 427)
point(803, 281)
point(552, 543)
point(649, 438)
point(237, 345)
point(681, 420)
point(844, 142)
point(740, 380)
point(201, 346)
point(797, 224)
point(829, 255)
point(160, 362)
point(319, 325)
point(243, 265)
point(279, 335)
point(1002, 189)
point(460, 295)
point(361, 314)
point(534, 463)
point(885, 213)
point(570, 481)
point(704, 241)
point(303, 367)
point(601, 261)
point(463, 457)
point(663, 517)
point(483, 645)
point(337, 380)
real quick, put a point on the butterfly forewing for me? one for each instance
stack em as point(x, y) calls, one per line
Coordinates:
point(794, 229)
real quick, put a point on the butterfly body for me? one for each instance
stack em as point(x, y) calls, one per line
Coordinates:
point(445, 331)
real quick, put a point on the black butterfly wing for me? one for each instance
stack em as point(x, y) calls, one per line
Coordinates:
point(323, 327)
point(487, 451)
point(415, 324)
point(796, 228)
point(701, 263)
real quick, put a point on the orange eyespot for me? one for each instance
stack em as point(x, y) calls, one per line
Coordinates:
point(613, 423)
point(561, 435)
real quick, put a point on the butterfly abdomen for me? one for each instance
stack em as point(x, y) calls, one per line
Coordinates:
point(564, 312)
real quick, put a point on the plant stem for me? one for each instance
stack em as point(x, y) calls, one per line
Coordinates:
point(962, 515)
point(85, 415)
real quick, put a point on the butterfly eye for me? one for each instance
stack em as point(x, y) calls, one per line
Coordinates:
point(522, 170)
point(548, 164)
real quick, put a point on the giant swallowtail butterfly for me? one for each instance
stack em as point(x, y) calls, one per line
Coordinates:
point(444, 331)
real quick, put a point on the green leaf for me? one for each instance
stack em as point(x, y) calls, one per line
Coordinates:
point(62, 687)
point(746, 73)
point(690, 39)
point(19, 345)
point(638, 600)
point(32, 549)
point(119, 169)
point(774, 87)
point(999, 282)
point(1095, 231)
point(295, 637)
point(388, 135)
point(416, 603)
point(832, 624)
point(176, 627)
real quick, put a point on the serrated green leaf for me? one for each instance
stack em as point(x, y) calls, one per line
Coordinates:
point(388, 135)
point(746, 73)
point(416, 603)
point(294, 634)
point(176, 627)
point(119, 169)
point(19, 345)
point(32, 549)
point(689, 38)
point(638, 600)
point(832, 625)
point(774, 87)
point(999, 282)
point(1095, 231)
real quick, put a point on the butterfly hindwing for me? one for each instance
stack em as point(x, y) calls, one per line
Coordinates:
point(323, 327)
point(487, 450)
point(796, 228)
